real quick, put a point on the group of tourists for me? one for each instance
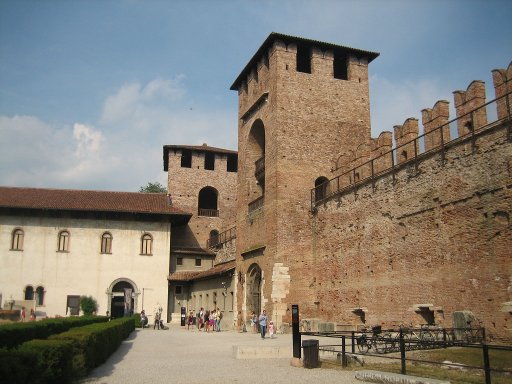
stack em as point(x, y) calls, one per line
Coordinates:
point(207, 321)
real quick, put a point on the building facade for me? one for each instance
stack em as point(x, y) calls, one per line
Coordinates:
point(411, 227)
point(58, 245)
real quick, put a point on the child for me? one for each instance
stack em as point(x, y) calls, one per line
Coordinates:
point(190, 320)
point(271, 329)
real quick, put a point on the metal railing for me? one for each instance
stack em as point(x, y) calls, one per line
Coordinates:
point(390, 161)
point(400, 340)
point(259, 170)
point(221, 238)
point(208, 212)
point(256, 204)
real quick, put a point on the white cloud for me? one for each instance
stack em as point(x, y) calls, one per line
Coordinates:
point(135, 101)
point(88, 141)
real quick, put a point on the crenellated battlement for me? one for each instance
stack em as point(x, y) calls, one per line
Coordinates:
point(405, 136)
point(502, 79)
point(470, 100)
point(432, 119)
point(283, 56)
point(379, 155)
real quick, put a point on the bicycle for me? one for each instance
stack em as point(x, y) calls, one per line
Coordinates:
point(365, 343)
point(472, 335)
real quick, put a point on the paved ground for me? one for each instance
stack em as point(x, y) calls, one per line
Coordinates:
point(181, 356)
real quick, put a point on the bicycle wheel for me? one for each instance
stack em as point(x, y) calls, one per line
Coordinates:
point(382, 343)
point(362, 344)
point(427, 339)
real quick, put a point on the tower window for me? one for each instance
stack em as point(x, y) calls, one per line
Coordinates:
point(340, 66)
point(232, 163)
point(186, 158)
point(209, 161)
point(303, 59)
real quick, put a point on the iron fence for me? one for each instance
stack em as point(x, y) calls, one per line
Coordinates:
point(381, 343)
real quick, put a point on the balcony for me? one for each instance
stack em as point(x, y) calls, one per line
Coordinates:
point(259, 171)
point(208, 212)
point(221, 238)
point(256, 204)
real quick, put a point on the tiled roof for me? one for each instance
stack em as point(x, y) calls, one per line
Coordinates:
point(197, 148)
point(192, 250)
point(83, 200)
point(294, 39)
point(191, 275)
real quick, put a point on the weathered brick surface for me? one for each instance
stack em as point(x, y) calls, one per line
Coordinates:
point(184, 185)
point(437, 234)
point(440, 236)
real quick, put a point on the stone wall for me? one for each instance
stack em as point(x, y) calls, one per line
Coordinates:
point(437, 238)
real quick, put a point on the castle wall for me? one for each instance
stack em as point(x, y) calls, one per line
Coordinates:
point(439, 237)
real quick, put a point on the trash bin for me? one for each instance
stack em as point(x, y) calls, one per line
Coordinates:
point(310, 349)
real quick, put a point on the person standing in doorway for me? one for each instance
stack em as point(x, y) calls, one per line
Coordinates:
point(263, 323)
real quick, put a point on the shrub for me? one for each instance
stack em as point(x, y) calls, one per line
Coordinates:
point(94, 343)
point(88, 305)
point(14, 366)
point(53, 360)
point(15, 334)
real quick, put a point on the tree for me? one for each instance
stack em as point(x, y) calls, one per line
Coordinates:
point(155, 187)
point(88, 305)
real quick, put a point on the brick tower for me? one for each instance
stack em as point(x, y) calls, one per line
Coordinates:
point(202, 181)
point(301, 103)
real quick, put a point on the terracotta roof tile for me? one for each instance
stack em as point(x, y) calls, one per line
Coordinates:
point(83, 200)
point(191, 275)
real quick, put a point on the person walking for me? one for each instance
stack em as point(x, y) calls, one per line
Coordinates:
point(218, 318)
point(263, 323)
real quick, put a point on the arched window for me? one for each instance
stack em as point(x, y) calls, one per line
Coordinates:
point(29, 292)
point(256, 152)
point(63, 245)
point(403, 156)
point(106, 243)
point(146, 244)
point(321, 184)
point(40, 295)
point(207, 202)
point(17, 240)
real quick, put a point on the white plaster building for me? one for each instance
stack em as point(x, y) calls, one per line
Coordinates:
point(56, 245)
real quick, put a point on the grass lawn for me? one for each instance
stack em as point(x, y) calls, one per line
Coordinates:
point(466, 356)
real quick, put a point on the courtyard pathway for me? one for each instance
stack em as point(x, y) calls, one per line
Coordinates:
point(181, 356)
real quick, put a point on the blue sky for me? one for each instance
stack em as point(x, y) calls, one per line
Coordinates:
point(90, 91)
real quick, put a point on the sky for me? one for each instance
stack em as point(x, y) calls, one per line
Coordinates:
point(91, 90)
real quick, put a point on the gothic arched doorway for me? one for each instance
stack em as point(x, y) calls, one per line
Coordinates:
point(254, 289)
point(122, 295)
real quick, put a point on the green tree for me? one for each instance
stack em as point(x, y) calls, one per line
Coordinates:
point(88, 305)
point(155, 187)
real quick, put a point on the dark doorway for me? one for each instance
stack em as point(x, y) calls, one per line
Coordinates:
point(254, 289)
point(118, 302)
